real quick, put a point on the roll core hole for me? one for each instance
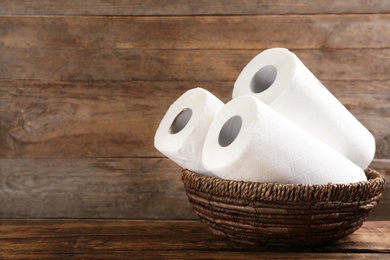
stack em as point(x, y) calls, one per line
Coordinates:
point(180, 121)
point(230, 131)
point(263, 79)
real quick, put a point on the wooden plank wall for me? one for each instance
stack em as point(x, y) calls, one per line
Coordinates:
point(84, 84)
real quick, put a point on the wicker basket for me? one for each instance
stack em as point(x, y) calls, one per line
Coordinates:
point(268, 214)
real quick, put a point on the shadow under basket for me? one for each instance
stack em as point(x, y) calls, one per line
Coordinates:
point(272, 214)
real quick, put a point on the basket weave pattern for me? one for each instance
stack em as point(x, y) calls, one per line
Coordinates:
point(282, 214)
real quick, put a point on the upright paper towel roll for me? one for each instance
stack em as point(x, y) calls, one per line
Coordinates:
point(249, 141)
point(278, 78)
point(181, 133)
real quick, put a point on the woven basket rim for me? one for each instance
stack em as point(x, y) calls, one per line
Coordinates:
point(312, 193)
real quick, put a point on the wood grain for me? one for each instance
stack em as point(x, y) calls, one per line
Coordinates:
point(84, 85)
point(129, 188)
point(199, 32)
point(119, 119)
point(132, 188)
point(106, 119)
point(102, 239)
point(182, 7)
point(179, 65)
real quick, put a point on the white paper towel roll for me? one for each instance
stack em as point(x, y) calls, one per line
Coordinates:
point(181, 133)
point(249, 141)
point(278, 78)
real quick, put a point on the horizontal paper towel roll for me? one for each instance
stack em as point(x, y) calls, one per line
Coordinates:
point(278, 78)
point(249, 141)
point(181, 133)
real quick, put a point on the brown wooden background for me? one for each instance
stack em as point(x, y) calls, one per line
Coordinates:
point(84, 84)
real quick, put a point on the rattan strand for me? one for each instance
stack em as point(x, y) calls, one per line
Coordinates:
point(269, 214)
point(286, 192)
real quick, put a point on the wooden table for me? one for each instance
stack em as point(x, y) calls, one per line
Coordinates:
point(163, 239)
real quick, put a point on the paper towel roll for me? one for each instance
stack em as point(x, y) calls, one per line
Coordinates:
point(181, 133)
point(278, 78)
point(249, 141)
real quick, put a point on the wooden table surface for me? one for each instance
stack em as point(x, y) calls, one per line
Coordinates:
point(164, 239)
